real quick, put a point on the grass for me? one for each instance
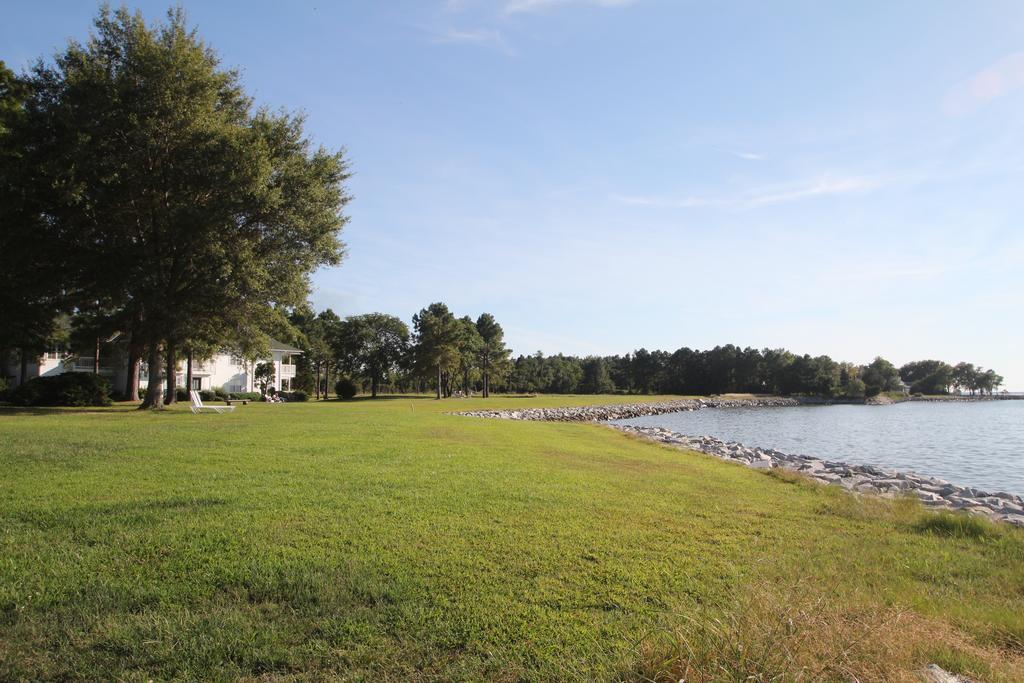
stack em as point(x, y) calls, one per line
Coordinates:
point(387, 540)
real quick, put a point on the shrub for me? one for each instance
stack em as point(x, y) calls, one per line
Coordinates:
point(855, 389)
point(345, 388)
point(220, 393)
point(207, 395)
point(245, 395)
point(298, 395)
point(955, 525)
point(142, 393)
point(181, 394)
point(67, 389)
point(4, 387)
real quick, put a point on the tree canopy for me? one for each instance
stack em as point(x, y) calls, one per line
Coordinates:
point(372, 345)
point(187, 216)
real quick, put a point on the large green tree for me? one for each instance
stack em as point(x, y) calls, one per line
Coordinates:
point(30, 294)
point(469, 345)
point(493, 354)
point(372, 346)
point(436, 345)
point(927, 376)
point(880, 375)
point(189, 213)
point(595, 379)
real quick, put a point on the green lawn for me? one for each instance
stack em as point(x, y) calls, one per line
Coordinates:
point(386, 539)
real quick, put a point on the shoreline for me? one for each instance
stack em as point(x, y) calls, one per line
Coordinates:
point(625, 411)
point(933, 492)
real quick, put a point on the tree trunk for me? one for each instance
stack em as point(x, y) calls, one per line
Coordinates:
point(172, 372)
point(317, 392)
point(438, 381)
point(154, 392)
point(96, 358)
point(131, 388)
point(188, 372)
point(373, 387)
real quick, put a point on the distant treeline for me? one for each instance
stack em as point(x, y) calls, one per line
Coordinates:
point(730, 369)
point(448, 355)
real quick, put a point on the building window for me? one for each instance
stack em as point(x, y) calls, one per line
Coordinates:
point(197, 383)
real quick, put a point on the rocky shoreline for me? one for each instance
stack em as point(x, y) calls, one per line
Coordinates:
point(626, 411)
point(934, 493)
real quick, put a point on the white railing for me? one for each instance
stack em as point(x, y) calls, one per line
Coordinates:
point(287, 371)
point(203, 366)
point(87, 364)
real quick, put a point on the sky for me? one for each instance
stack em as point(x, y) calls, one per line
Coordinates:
point(605, 175)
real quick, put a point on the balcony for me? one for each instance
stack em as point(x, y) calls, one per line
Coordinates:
point(85, 364)
point(287, 371)
point(205, 367)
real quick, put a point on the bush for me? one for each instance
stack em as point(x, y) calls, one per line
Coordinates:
point(207, 395)
point(181, 394)
point(245, 395)
point(67, 389)
point(345, 388)
point(4, 387)
point(955, 525)
point(855, 389)
point(298, 395)
point(220, 393)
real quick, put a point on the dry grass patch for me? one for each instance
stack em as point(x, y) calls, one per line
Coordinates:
point(801, 632)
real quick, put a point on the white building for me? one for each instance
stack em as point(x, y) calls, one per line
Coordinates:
point(235, 374)
point(224, 369)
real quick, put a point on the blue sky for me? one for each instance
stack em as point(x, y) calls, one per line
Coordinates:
point(841, 178)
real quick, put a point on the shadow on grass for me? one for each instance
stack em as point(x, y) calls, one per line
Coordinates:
point(384, 397)
point(124, 512)
point(69, 410)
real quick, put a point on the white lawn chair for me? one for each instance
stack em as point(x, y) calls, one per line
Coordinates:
point(198, 407)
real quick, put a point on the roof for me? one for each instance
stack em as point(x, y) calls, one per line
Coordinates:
point(281, 346)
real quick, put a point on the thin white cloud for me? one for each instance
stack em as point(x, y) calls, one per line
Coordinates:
point(518, 6)
point(755, 198)
point(482, 37)
point(825, 186)
point(749, 156)
point(994, 81)
point(662, 202)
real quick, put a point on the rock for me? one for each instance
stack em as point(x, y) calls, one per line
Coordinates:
point(933, 673)
point(1015, 520)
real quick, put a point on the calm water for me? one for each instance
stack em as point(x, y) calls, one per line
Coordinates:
point(971, 444)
